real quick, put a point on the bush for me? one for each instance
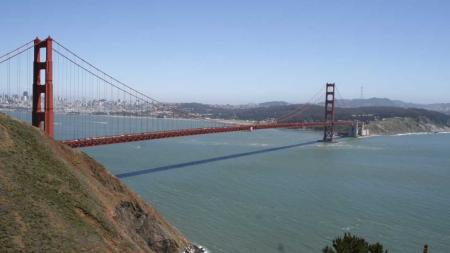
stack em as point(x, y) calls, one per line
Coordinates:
point(353, 244)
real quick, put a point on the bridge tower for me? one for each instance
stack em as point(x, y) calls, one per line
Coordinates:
point(329, 113)
point(42, 111)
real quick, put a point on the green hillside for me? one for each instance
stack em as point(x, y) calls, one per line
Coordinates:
point(55, 199)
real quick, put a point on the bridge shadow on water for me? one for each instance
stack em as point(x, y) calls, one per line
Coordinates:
point(209, 160)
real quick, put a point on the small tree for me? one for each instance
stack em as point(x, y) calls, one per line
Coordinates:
point(353, 244)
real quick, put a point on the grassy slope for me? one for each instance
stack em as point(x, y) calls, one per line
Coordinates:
point(55, 199)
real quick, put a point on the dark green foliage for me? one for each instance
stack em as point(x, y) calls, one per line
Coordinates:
point(353, 244)
point(315, 113)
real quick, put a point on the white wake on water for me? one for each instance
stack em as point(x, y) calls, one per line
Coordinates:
point(100, 122)
point(347, 145)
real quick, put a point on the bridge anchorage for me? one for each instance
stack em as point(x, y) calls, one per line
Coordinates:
point(69, 94)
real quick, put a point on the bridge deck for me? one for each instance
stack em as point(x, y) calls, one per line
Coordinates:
point(96, 141)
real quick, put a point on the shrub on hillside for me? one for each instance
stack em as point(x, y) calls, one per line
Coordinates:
point(353, 244)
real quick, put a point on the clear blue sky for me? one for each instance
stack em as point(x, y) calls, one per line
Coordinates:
point(251, 51)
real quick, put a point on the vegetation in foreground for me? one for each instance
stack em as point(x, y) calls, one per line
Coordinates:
point(353, 244)
point(55, 199)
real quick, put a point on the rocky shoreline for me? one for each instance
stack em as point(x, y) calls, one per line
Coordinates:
point(194, 249)
point(398, 125)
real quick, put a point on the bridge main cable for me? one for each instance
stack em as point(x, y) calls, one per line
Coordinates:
point(111, 77)
point(106, 74)
point(302, 108)
point(20, 49)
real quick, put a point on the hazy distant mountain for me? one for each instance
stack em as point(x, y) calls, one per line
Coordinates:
point(377, 107)
point(303, 112)
point(350, 103)
point(385, 102)
point(369, 102)
point(439, 107)
point(273, 103)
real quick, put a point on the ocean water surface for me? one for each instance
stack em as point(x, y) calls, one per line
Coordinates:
point(281, 191)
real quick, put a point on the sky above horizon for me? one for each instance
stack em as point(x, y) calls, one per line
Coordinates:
point(237, 52)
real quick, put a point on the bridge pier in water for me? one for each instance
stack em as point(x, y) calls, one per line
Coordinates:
point(42, 111)
point(358, 129)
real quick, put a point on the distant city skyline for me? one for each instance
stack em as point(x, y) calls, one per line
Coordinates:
point(240, 52)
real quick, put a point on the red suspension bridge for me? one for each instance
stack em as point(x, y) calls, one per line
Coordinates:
point(45, 83)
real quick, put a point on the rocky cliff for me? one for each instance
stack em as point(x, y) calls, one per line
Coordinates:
point(397, 125)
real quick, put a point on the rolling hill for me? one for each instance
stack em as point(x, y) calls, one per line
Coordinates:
point(56, 199)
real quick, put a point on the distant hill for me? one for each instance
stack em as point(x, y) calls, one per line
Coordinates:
point(375, 102)
point(385, 115)
point(56, 199)
point(273, 103)
point(385, 102)
point(315, 112)
point(384, 108)
point(439, 107)
point(226, 110)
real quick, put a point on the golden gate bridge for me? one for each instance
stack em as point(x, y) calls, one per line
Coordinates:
point(64, 93)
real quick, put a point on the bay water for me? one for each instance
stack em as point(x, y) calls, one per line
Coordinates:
point(282, 191)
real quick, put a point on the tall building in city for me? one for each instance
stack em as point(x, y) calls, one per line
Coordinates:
point(25, 95)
